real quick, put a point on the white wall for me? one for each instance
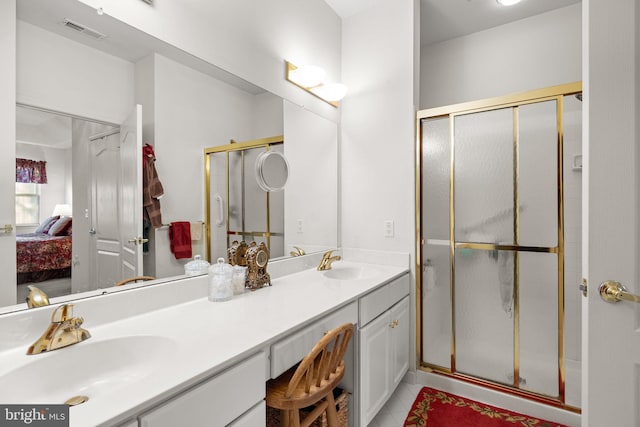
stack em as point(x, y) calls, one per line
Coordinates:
point(248, 38)
point(311, 147)
point(532, 53)
point(58, 183)
point(8, 146)
point(62, 75)
point(377, 136)
point(378, 127)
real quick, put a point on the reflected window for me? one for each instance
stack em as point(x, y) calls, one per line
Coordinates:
point(27, 203)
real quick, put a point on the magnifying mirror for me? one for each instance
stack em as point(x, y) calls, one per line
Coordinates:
point(272, 170)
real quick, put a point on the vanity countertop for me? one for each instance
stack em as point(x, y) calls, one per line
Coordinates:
point(207, 337)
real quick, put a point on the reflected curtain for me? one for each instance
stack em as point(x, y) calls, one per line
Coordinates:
point(31, 171)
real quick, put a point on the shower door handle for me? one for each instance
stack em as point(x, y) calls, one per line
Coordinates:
point(612, 291)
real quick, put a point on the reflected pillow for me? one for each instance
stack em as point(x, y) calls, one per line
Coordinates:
point(60, 227)
point(46, 224)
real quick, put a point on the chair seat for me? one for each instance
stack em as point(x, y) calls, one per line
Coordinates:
point(312, 381)
point(277, 388)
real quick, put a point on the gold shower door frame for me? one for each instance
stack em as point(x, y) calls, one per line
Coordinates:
point(266, 143)
point(556, 93)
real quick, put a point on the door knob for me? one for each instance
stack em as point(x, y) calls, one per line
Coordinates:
point(92, 231)
point(138, 241)
point(612, 291)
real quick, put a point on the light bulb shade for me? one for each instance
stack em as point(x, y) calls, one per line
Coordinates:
point(307, 75)
point(62, 210)
point(331, 91)
point(508, 2)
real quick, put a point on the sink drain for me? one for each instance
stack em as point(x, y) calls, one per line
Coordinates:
point(76, 400)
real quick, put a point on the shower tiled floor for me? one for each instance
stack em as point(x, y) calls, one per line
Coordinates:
point(397, 407)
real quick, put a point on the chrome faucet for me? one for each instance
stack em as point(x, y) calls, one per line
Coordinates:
point(327, 259)
point(63, 330)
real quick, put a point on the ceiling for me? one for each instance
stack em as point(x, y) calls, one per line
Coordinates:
point(440, 20)
point(446, 19)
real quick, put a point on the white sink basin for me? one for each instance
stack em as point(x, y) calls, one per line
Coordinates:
point(340, 271)
point(90, 368)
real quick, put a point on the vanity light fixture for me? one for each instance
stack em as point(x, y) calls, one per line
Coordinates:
point(306, 75)
point(311, 79)
point(507, 2)
point(332, 92)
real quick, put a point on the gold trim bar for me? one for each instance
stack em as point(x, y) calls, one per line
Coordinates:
point(495, 247)
point(502, 101)
point(253, 233)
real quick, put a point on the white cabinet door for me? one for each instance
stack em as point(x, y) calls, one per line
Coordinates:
point(399, 341)
point(375, 375)
point(256, 416)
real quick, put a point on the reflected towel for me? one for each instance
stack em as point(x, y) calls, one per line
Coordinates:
point(196, 230)
point(429, 277)
point(180, 239)
point(505, 277)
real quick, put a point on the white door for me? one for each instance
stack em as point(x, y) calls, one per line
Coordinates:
point(130, 213)
point(116, 203)
point(611, 331)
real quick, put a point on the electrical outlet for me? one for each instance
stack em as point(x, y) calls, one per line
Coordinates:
point(388, 228)
point(300, 227)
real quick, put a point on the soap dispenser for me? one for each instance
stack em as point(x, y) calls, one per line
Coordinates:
point(220, 287)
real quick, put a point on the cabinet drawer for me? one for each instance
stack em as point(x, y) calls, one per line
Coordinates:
point(378, 301)
point(217, 401)
point(290, 350)
point(256, 416)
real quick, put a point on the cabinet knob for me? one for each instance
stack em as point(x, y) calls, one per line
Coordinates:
point(394, 323)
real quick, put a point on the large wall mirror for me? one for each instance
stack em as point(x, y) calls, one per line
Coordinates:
point(75, 88)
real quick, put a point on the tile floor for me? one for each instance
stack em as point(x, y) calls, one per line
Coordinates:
point(397, 407)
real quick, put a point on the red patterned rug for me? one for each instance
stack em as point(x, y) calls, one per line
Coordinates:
point(435, 408)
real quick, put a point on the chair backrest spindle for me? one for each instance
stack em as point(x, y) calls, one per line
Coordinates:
point(323, 362)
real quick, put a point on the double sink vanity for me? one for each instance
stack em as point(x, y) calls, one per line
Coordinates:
point(164, 355)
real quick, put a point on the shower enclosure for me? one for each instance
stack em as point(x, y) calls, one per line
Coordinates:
point(498, 201)
point(236, 207)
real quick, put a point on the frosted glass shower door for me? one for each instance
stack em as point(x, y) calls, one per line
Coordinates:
point(491, 192)
point(508, 250)
point(436, 274)
point(484, 215)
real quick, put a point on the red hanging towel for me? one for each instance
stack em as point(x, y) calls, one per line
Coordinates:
point(180, 239)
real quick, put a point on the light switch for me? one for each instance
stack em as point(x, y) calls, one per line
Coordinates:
point(388, 228)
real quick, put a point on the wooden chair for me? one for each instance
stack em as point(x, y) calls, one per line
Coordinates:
point(134, 279)
point(312, 381)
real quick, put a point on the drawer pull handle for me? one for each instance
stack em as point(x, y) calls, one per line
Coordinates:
point(394, 323)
